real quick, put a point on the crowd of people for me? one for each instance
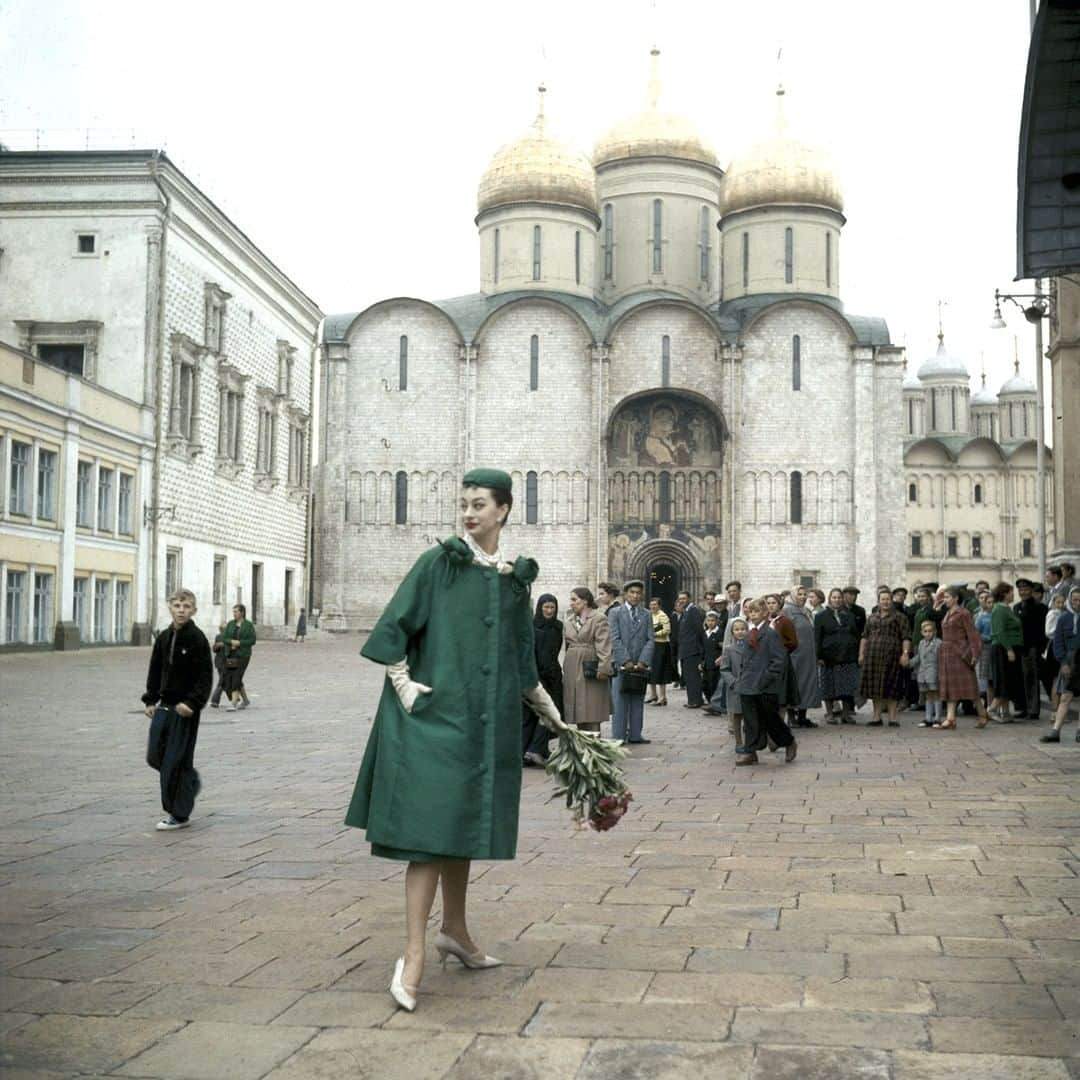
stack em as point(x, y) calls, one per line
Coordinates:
point(766, 662)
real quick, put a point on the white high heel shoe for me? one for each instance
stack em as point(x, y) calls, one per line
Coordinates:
point(445, 945)
point(399, 991)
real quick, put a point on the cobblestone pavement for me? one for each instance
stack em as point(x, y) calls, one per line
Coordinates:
point(894, 904)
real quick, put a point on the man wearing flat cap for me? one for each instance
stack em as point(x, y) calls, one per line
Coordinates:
point(632, 644)
point(851, 602)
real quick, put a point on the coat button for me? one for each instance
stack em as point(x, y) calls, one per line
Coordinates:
point(486, 669)
point(488, 620)
point(483, 718)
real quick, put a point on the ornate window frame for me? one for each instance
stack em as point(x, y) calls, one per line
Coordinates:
point(266, 405)
point(231, 383)
point(182, 439)
point(85, 332)
point(215, 298)
point(286, 358)
point(296, 480)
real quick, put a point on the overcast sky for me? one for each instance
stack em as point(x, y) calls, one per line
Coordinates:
point(348, 140)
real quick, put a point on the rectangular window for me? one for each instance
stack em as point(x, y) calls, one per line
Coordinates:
point(796, 363)
point(214, 338)
point(297, 455)
point(665, 360)
point(266, 448)
point(80, 609)
point(916, 545)
point(43, 608)
point(124, 521)
point(185, 393)
point(577, 258)
point(746, 260)
point(789, 256)
point(911, 417)
point(16, 601)
point(534, 362)
point(69, 358)
point(1027, 547)
point(536, 253)
point(172, 571)
point(105, 500)
point(86, 244)
point(609, 242)
point(657, 236)
point(976, 547)
point(706, 246)
point(401, 498)
point(828, 260)
point(796, 498)
point(19, 486)
point(230, 414)
point(952, 399)
point(84, 482)
point(219, 579)
point(496, 257)
point(532, 499)
point(403, 362)
point(952, 547)
point(101, 609)
point(122, 611)
point(46, 485)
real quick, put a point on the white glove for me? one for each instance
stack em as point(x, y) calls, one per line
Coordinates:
point(540, 702)
point(407, 690)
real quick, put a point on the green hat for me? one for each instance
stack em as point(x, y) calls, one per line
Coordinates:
point(487, 478)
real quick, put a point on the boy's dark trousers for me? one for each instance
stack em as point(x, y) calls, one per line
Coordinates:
point(171, 750)
point(761, 721)
point(710, 679)
point(219, 667)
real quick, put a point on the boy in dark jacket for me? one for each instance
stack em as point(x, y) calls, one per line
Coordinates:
point(178, 685)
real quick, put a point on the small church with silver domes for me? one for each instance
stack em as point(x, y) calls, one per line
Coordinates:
point(658, 353)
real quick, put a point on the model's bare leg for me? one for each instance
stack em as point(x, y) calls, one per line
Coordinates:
point(1062, 710)
point(455, 884)
point(420, 881)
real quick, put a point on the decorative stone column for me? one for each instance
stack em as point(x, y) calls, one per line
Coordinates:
point(67, 631)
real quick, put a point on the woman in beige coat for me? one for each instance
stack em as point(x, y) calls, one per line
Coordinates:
point(586, 701)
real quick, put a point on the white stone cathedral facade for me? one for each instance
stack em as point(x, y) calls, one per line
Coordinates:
point(659, 355)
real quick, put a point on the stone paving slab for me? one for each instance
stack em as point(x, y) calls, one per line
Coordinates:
point(892, 906)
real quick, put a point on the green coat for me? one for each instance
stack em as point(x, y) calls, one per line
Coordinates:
point(244, 632)
point(445, 780)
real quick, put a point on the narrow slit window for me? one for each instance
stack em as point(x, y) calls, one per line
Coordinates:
point(665, 497)
point(577, 258)
point(911, 417)
point(532, 499)
point(609, 242)
point(828, 260)
point(665, 360)
point(495, 257)
point(796, 363)
point(706, 247)
point(789, 256)
point(536, 253)
point(746, 260)
point(534, 362)
point(978, 493)
point(976, 546)
point(401, 498)
point(657, 236)
point(952, 547)
point(913, 493)
point(796, 498)
point(403, 362)
point(953, 407)
point(916, 544)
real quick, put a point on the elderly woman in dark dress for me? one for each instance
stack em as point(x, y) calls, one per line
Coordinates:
point(961, 647)
point(883, 657)
point(440, 783)
point(547, 644)
point(586, 663)
point(836, 644)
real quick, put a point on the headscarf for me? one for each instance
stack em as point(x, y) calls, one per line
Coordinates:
point(540, 621)
point(547, 635)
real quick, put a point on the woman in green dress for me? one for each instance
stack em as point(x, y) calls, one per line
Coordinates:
point(440, 781)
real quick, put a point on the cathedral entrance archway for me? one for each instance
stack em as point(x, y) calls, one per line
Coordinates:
point(663, 584)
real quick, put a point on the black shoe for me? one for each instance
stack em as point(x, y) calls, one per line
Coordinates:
point(790, 751)
point(688, 706)
point(805, 723)
point(1052, 736)
point(873, 723)
point(833, 720)
point(639, 742)
point(894, 723)
point(709, 711)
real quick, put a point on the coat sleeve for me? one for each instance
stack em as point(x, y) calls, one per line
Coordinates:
point(819, 633)
point(153, 674)
point(527, 673)
point(618, 647)
point(1060, 652)
point(406, 616)
point(199, 694)
point(777, 657)
point(602, 640)
point(246, 634)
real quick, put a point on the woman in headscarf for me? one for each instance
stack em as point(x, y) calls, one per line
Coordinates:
point(803, 661)
point(440, 784)
point(547, 644)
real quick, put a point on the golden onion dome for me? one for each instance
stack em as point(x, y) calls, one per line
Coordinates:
point(781, 170)
point(654, 133)
point(538, 168)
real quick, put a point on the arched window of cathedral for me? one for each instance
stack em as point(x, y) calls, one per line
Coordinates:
point(403, 363)
point(828, 260)
point(401, 498)
point(532, 499)
point(746, 260)
point(789, 256)
point(665, 497)
point(1026, 547)
point(665, 361)
point(916, 545)
point(536, 253)
point(912, 493)
point(577, 257)
point(976, 546)
point(657, 236)
point(796, 498)
point(951, 548)
point(978, 493)
point(534, 363)
point(706, 246)
point(796, 363)
point(609, 242)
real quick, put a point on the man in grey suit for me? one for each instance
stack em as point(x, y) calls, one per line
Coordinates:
point(632, 649)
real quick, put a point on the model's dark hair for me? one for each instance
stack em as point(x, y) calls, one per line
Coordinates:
point(502, 496)
point(1000, 591)
point(582, 593)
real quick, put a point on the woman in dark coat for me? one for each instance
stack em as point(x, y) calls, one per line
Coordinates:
point(440, 782)
point(803, 659)
point(1006, 644)
point(837, 645)
point(961, 646)
point(588, 643)
point(883, 657)
point(547, 644)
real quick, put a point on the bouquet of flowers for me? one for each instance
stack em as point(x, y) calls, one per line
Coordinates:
point(586, 768)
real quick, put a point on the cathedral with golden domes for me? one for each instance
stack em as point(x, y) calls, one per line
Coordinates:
point(658, 353)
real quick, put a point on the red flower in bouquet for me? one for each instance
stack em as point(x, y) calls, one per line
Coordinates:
point(589, 775)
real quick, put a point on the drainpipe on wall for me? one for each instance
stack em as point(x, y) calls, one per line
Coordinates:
point(158, 396)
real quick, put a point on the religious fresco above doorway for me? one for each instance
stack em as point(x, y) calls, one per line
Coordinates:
point(665, 431)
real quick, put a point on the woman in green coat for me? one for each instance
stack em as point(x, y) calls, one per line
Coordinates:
point(440, 781)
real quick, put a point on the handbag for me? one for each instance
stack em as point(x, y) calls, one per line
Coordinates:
point(590, 669)
point(232, 661)
point(633, 682)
